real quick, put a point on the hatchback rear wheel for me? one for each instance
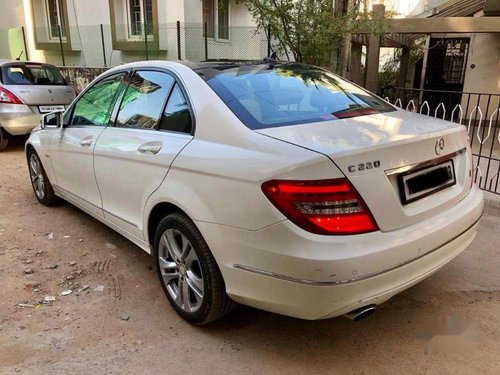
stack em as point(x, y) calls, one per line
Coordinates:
point(188, 271)
point(4, 139)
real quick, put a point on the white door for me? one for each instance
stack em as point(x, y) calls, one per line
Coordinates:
point(72, 150)
point(132, 158)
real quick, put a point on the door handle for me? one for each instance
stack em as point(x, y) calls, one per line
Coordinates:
point(150, 147)
point(86, 142)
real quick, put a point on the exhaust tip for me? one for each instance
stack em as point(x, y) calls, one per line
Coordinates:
point(361, 313)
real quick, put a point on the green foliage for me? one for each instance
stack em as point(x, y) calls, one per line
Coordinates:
point(307, 29)
point(389, 73)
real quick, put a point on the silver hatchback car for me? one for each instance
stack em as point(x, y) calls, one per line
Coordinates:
point(27, 91)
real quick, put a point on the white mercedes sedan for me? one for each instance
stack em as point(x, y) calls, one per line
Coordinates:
point(275, 185)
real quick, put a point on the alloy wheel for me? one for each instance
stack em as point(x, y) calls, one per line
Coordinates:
point(37, 178)
point(181, 270)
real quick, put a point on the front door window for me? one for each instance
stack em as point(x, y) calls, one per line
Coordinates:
point(96, 104)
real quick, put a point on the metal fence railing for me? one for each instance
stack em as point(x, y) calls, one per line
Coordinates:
point(111, 45)
point(478, 112)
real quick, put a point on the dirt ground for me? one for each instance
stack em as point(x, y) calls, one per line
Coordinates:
point(450, 323)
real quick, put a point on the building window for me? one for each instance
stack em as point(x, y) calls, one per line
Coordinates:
point(209, 16)
point(139, 14)
point(55, 18)
point(50, 22)
point(133, 22)
point(455, 61)
point(216, 16)
point(223, 19)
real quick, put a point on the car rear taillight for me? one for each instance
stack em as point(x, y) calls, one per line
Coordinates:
point(6, 97)
point(330, 207)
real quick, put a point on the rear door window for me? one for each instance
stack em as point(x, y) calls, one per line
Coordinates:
point(94, 107)
point(32, 75)
point(144, 99)
point(176, 116)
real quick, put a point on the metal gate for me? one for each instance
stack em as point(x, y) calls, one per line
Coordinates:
point(478, 112)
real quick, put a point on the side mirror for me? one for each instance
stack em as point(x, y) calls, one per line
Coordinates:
point(52, 120)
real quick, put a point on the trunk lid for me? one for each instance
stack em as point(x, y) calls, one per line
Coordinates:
point(46, 95)
point(374, 151)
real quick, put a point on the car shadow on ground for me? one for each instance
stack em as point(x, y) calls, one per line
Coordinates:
point(248, 328)
point(15, 144)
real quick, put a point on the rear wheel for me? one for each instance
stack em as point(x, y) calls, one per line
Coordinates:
point(39, 180)
point(4, 139)
point(188, 271)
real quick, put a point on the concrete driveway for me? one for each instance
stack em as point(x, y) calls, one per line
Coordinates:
point(450, 323)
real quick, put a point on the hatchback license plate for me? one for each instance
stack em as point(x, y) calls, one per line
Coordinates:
point(415, 185)
point(50, 108)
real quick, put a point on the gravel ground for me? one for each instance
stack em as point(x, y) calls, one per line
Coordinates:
point(449, 323)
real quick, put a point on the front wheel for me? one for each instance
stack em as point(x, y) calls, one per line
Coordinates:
point(39, 180)
point(188, 271)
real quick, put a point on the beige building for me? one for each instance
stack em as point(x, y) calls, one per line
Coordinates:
point(97, 33)
point(75, 27)
point(468, 62)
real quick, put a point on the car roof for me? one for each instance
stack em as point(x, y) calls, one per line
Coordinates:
point(196, 65)
point(6, 62)
point(226, 63)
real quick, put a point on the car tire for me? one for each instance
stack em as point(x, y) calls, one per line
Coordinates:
point(42, 187)
point(4, 139)
point(188, 271)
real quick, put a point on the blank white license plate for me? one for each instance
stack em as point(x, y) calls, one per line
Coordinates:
point(421, 183)
point(50, 108)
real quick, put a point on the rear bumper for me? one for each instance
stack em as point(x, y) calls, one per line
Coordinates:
point(18, 119)
point(288, 271)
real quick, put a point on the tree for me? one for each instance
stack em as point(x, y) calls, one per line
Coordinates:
point(389, 72)
point(311, 30)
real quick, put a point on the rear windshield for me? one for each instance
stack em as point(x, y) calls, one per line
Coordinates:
point(31, 75)
point(266, 96)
